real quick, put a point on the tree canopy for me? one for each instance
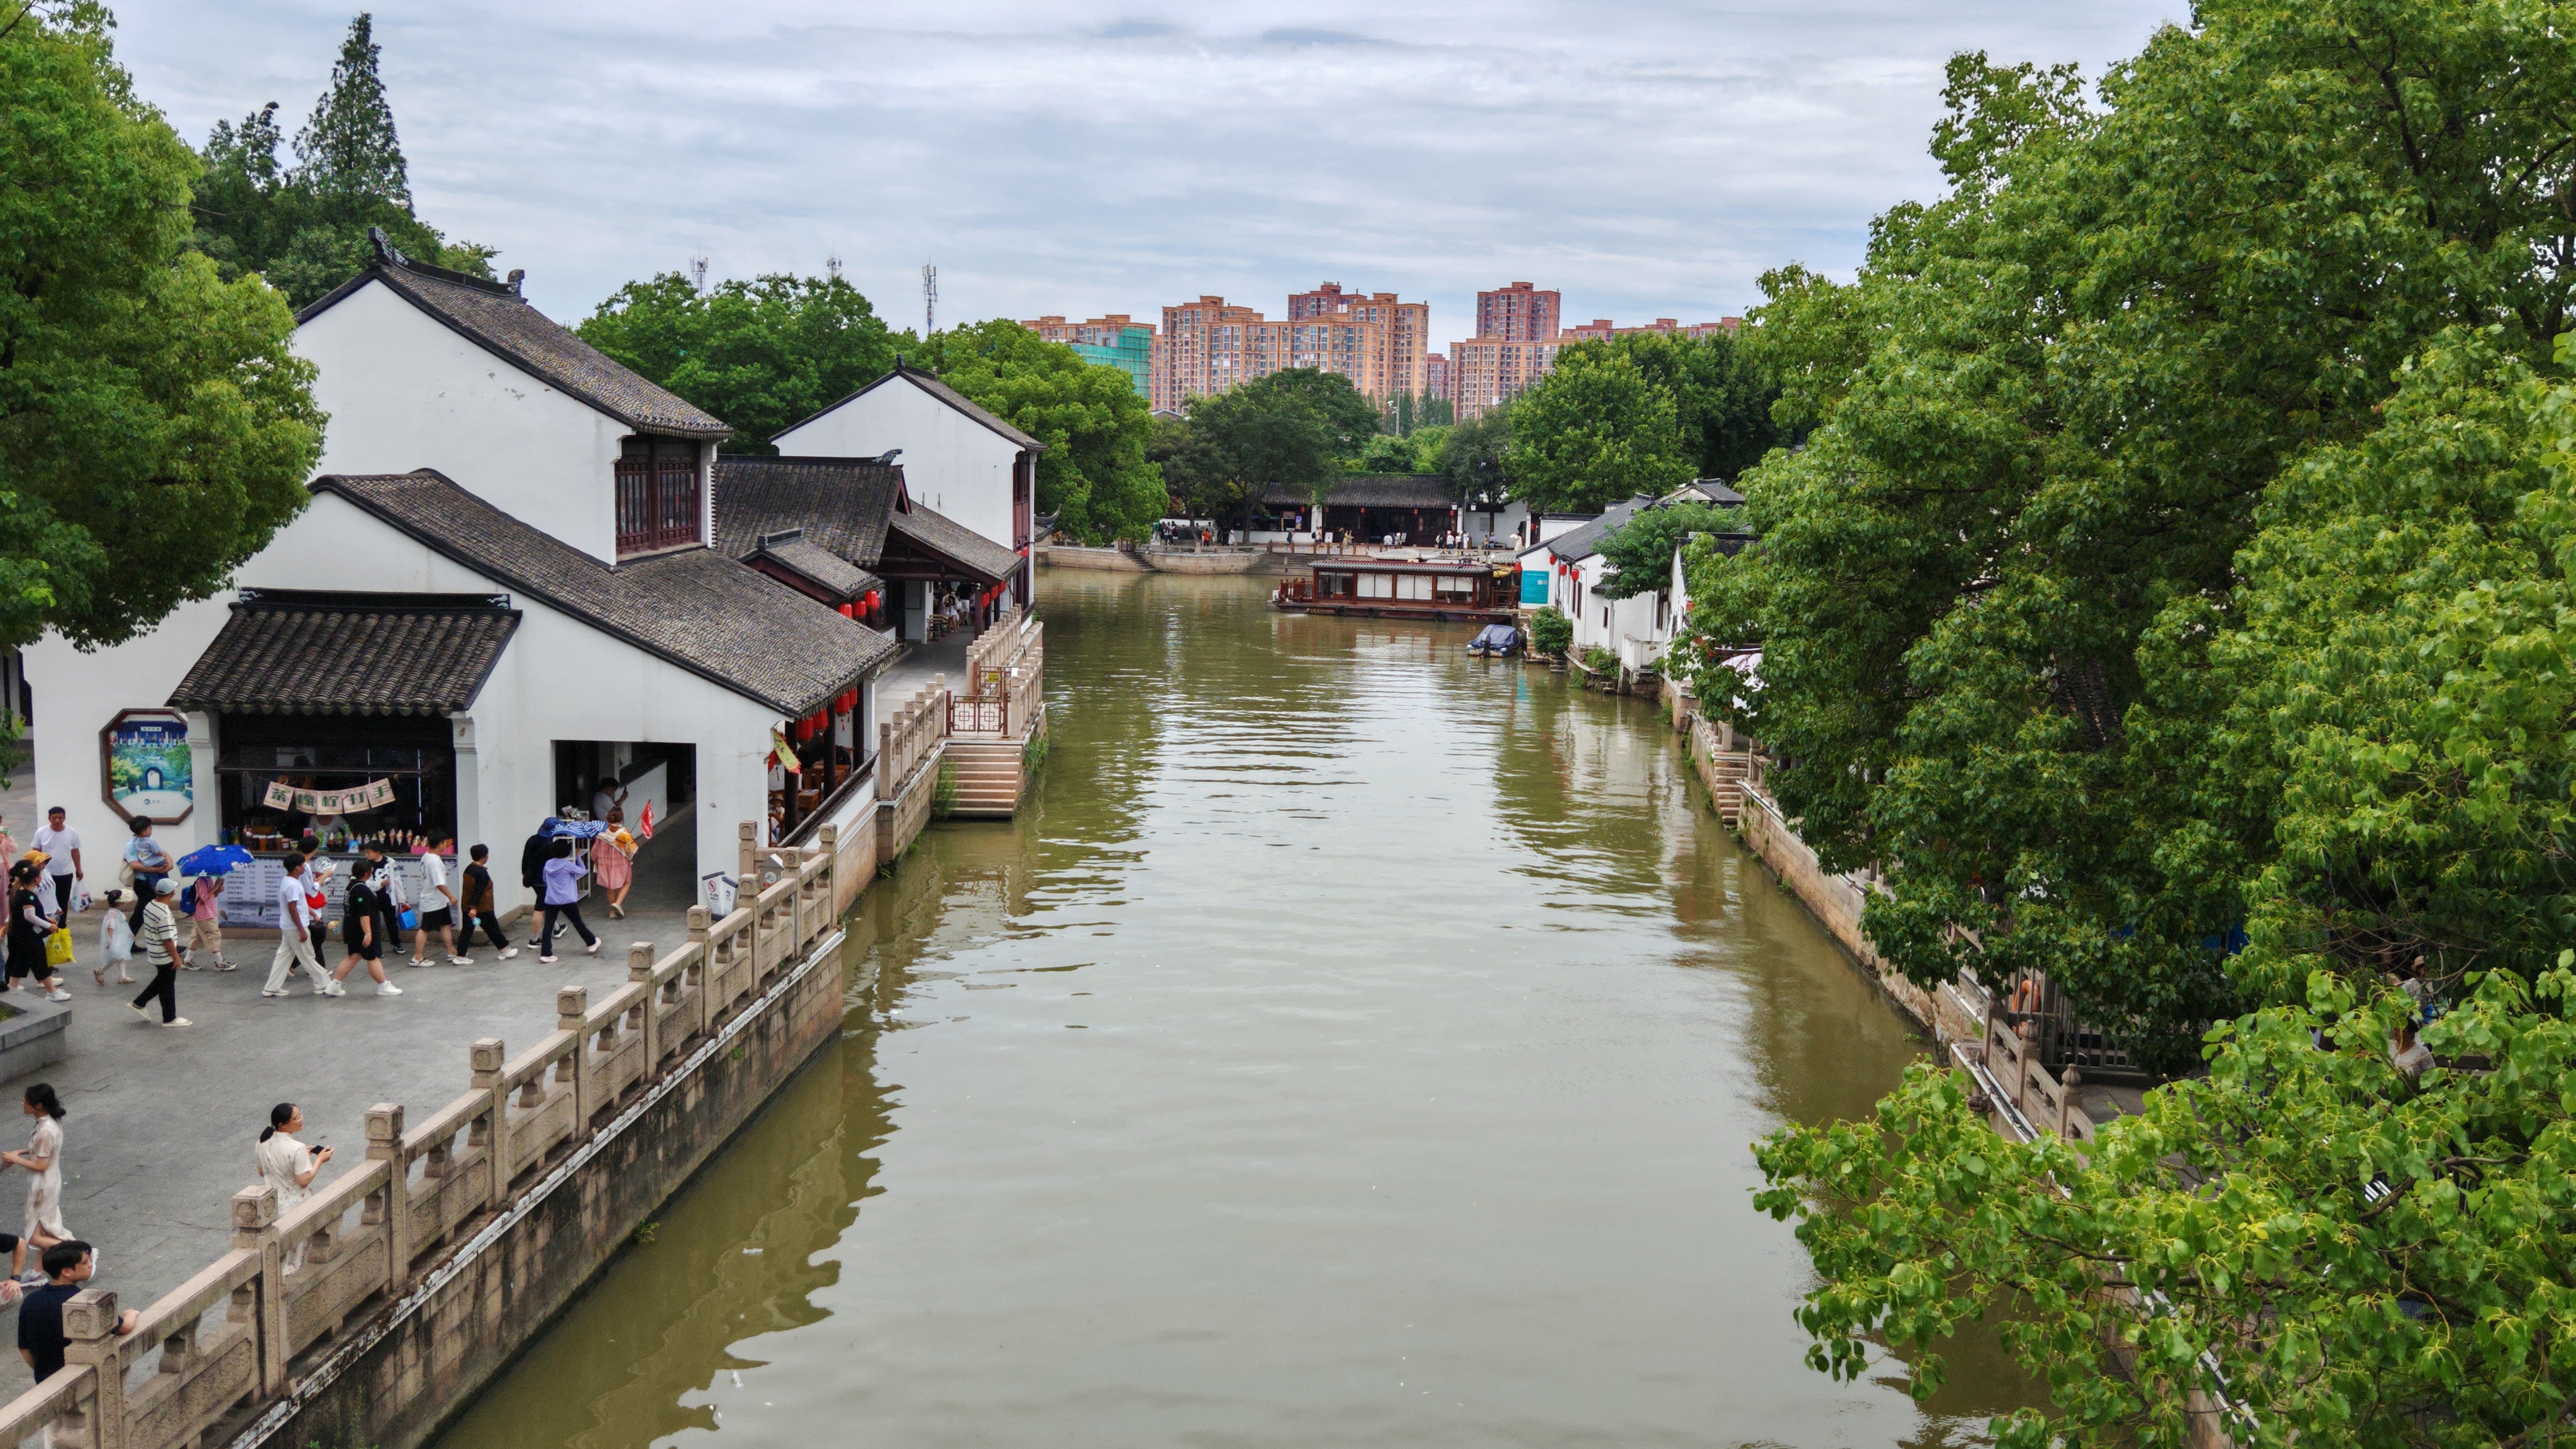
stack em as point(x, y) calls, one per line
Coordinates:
point(1474, 458)
point(1093, 476)
point(1295, 428)
point(304, 227)
point(155, 430)
point(2172, 597)
point(1640, 551)
point(2046, 416)
point(1645, 413)
point(761, 354)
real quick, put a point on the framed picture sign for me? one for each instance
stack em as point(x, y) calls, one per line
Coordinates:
point(145, 765)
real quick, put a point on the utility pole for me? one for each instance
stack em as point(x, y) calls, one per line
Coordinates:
point(929, 300)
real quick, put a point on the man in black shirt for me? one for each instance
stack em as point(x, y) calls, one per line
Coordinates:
point(532, 867)
point(41, 1340)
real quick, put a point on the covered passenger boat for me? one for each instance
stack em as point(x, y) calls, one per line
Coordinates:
point(1456, 589)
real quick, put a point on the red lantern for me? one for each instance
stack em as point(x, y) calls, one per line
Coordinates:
point(849, 611)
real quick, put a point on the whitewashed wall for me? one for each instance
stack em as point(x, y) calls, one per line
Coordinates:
point(406, 391)
point(952, 464)
point(559, 679)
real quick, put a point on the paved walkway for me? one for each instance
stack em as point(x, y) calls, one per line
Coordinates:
point(162, 1121)
point(920, 662)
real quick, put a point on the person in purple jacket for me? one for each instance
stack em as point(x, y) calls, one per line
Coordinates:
point(563, 872)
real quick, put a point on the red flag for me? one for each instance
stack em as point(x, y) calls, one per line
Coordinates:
point(646, 824)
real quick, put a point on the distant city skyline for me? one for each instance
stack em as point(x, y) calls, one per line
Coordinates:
point(1646, 161)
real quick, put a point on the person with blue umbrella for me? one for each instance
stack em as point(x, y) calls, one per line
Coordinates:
point(209, 864)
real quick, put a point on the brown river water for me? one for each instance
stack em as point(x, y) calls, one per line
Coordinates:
point(1354, 1043)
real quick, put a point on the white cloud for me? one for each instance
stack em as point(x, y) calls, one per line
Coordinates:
point(1648, 160)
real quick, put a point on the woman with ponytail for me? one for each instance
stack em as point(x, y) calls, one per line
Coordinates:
point(44, 1159)
point(288, 1165)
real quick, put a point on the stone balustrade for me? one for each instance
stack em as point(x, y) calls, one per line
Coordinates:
point(233, 1340)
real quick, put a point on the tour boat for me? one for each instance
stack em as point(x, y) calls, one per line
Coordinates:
point(1389, 588)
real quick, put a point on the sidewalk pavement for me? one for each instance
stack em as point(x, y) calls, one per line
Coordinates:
point(162, 1120)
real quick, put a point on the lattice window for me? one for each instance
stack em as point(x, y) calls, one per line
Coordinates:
point(658, 502)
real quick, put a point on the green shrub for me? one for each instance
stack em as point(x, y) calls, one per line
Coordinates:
point(1600, 660)
point(1550, 632)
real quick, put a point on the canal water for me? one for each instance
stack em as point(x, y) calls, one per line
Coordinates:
point(1354, 1044)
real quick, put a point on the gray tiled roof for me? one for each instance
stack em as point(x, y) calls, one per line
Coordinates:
point(1706, 490)
point(950, 539)
point(1577, 544)
point(841, 503)
point(1371, 490)
point(495, 316)
point(694, 607)
point(292, 652)
point(940, 390)
point(829, 571)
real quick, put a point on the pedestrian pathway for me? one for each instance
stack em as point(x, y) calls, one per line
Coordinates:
point(162, 1120)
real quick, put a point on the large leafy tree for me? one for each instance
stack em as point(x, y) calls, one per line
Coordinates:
point(1296, 428)
point(761, 354)
point(1721, 400)
point(2381, 765)
point(304, 226)
point(155, 430)
point(1640, 551)
point(1598, 429)
point(1093, 476)
point(1474, 457)
point(2046, 413)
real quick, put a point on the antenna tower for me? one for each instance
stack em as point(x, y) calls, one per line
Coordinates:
point(929, 299)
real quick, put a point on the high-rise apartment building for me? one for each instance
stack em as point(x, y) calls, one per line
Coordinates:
point(1518, 312)
point(1210, 345)
point(1435, 375)
point(1601, 329)
point(1116, 340)
point(1486, 372)
point(1404, 338)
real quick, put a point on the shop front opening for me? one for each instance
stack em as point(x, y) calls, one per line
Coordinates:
point(595, 777)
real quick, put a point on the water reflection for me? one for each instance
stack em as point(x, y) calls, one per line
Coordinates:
point(1352, 1044)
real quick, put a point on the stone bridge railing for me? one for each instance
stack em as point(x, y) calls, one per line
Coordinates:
point(224, 1350)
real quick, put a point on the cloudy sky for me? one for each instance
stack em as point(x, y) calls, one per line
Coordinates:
point(1086, 156)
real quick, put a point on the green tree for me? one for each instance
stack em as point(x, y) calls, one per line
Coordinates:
point(761, 354)
point(1294, 428)
point(305, 227)
point(1474, 457)
point(1721, 400)
point(2045, 415)
point(2351, 1257)
point(1641, 550)
point(155, 428)
point(1596, 430)
point(1094, 476)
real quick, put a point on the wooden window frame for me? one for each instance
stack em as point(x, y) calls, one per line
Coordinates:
point(661, 495)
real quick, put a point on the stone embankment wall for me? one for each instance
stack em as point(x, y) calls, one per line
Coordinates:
point(372, 1312)
point(2022, 1097)
point(1170, 560)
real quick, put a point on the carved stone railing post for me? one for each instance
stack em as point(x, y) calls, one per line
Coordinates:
point(89, 1321)
point(384, 1144)
point(255, 1229)
point(705, 967)
point(572, 1007)
point(749, 865)
point(639, 969)
point(494, 1127)
point(830, 878)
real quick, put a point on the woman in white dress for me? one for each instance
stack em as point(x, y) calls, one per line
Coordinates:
point(288, 1165)
point(44, 1159)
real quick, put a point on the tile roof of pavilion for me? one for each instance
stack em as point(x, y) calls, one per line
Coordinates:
point(694, 607)
point(297, 652)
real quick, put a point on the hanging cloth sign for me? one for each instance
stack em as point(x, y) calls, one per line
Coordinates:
point(372, 795)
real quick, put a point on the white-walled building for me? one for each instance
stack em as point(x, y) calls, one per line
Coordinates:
point(513, 606)
point(959, 461)
point(1637, 629)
